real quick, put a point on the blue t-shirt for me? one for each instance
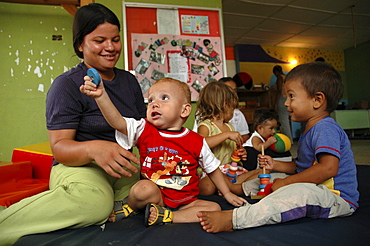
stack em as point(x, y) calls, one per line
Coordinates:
point(328, 137)
point(68, 108)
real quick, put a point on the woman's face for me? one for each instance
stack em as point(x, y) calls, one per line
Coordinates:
point(102, 48)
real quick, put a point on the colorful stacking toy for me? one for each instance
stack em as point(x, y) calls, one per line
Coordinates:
point(232, 171)
point(265, 185)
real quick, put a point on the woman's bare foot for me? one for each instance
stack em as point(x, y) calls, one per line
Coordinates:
point(216, 221)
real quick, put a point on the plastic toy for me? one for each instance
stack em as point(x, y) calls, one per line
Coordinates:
point(235, 156)
point(265, 185)
point(231, 172)
point(283, 143)
point(94, 75)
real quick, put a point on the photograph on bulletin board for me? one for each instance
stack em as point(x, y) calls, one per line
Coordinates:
point(194, 60)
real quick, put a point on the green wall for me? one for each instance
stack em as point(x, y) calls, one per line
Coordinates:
point(357, 62)
point(31, 60)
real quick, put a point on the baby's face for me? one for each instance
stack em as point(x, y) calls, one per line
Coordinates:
point(165, 104)
point(267, 129)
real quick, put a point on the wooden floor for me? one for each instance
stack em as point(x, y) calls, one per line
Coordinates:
point(360, 148)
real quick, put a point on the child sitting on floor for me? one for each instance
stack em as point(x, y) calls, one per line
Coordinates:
point(169, 155)
point(215, 107)
point(324, 182)
point(265, 123)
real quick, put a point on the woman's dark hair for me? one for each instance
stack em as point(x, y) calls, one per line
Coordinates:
point(87, 18)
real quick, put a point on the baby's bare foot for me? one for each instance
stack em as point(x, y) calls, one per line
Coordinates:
point(216, 221)
point(153, 215)
point(112, 217)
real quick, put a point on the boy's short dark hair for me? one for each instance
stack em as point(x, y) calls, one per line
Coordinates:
point(319, 77)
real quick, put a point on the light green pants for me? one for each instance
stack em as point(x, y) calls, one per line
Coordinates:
point(291, 202)
point(78, 197)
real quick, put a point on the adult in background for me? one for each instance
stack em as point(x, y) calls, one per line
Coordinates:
point(280, 100)
point(90, 170)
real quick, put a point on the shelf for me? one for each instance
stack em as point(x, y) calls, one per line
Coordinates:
point(264, 99)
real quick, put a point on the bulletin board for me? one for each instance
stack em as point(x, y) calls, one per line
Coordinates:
point(181, 43)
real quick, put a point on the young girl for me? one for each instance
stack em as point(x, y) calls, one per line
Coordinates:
point(215, 108)
point(265, 123)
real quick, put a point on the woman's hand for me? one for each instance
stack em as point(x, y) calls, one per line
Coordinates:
point(112, 158)
point(108, 155)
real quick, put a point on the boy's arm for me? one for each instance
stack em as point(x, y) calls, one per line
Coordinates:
point(218, 179)
point(109, 111)
point(326, 168)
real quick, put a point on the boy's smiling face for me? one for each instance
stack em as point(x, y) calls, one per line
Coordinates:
point(167, 106)
point(299, 103)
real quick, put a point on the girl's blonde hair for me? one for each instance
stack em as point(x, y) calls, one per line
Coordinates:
point(214, 99)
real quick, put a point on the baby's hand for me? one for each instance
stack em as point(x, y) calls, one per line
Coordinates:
point(234, 199)
point(266, 161)
point(90, 89)
point(236, 137)
point(271, 140)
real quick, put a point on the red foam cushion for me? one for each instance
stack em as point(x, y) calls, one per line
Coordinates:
point(41, 164)
point(15, 171)
point(12, 192)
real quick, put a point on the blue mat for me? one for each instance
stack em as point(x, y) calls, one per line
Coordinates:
point(338, 231)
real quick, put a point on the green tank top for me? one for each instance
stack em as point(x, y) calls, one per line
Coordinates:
point(224, 150)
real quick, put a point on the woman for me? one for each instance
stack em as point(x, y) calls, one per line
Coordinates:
point(90, 170)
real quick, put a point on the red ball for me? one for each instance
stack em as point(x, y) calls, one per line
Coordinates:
point(243, 79)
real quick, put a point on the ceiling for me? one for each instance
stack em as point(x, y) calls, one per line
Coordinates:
point(318, 24)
